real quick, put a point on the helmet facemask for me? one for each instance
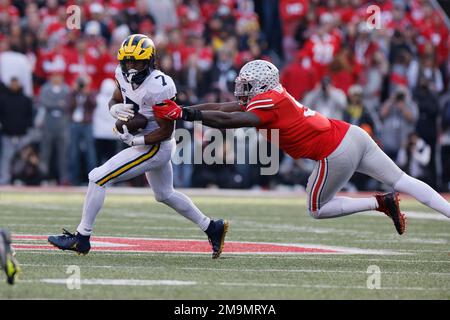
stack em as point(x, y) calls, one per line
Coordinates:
point(133, 76)
point(244, 90)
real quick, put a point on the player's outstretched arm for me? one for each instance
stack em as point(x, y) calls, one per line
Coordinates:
point(219, 119)
point(216, 119)
point(224, 107)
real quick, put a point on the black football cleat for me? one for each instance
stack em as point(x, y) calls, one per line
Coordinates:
point(71, 241)
point(216, 235)
point(388, 203)
point(7, 261)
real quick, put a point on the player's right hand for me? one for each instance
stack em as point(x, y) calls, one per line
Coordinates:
point(122, 111)
point(170, 110)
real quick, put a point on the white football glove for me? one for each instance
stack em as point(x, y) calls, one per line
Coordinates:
point(128, 138)
point(122, 111)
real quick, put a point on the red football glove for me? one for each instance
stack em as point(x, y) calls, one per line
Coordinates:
point(171, 110)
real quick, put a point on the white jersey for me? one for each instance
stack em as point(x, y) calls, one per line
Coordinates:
point(156, 88)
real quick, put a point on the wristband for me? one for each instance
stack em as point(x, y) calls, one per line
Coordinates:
point(191, 115)
point(138, 141)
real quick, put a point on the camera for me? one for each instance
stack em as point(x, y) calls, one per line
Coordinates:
point(400, 96)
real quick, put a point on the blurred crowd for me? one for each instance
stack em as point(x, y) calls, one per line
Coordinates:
point(56, 80)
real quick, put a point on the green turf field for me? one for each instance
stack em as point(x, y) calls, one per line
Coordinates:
point(419, 269)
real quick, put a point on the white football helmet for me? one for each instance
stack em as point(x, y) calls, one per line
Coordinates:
point(255, 77)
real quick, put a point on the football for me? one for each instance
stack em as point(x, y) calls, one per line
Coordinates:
point(134, 124)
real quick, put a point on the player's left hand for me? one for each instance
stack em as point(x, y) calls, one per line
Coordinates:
point(170, 110)
point(128, 138)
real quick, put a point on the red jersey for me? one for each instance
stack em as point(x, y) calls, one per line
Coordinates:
point(322, 50)
point(303, 133)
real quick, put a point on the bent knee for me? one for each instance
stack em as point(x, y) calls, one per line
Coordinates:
point(162, 197)
point(95, 176)
point(315, 214)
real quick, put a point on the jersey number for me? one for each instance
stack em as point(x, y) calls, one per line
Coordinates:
point(164, 83)
point(135, 105)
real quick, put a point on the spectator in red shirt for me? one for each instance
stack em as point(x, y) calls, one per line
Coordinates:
point(299, 77)
point(321, 48)
point(343, 70)
point(80, 63)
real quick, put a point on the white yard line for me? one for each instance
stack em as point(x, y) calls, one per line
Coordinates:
point(124, 282)
point(332, 271)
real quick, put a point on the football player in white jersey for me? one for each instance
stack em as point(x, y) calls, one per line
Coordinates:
point(139, 87)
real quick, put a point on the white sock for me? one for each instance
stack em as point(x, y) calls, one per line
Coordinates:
point(184, 206)
point(423, 193)
point(93, 202)
point(342, 206)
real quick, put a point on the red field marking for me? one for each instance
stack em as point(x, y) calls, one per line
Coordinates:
point(170, 245)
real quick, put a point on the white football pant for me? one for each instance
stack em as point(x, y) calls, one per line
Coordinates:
point(359, 153)
point(155, 162)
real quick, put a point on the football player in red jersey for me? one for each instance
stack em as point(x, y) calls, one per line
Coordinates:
point(339, 149)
